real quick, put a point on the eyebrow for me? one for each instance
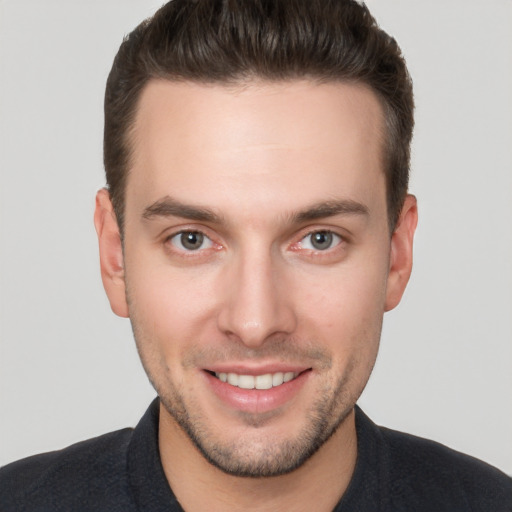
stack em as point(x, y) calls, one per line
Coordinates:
point(330, 209)
point(170, 207)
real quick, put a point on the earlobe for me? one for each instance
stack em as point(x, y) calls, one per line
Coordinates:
point(111, 253)
point(400, 264)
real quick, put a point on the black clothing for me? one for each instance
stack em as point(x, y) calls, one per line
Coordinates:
point(122, 472)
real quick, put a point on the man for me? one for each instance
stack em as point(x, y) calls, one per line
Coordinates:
point(255, 228)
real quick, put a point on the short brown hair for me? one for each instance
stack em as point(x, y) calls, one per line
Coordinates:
point(230, 41)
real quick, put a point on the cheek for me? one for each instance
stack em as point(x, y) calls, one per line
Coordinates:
point(345, 297)
point(345, 315)
point(171, 309)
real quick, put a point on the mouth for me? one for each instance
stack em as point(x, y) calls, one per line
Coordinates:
point(257, 392)
point(265, 381)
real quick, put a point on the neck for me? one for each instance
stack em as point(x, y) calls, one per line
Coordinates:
point(316, 485)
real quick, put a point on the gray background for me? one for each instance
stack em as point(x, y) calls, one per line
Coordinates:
point(68, 367)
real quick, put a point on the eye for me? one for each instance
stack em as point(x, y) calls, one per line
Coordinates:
point(190, 241)
point(320, 241)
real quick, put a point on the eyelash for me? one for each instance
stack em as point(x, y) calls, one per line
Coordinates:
point(175, 238)
point(335, 238)
point(190, 252)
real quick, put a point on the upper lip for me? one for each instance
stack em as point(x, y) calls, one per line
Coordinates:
point(246, 369)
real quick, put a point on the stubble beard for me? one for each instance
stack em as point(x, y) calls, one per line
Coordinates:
point(267, 457)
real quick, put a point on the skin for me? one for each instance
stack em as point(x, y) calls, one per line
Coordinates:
point(257, 169)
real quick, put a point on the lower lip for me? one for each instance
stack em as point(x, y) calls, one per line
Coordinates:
point(257, 400)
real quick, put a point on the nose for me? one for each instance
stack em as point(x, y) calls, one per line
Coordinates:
point(257, 304)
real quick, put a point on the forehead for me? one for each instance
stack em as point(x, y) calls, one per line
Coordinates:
point(277, 142)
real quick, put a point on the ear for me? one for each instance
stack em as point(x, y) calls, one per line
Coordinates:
point(111, 253)
point(400, 262)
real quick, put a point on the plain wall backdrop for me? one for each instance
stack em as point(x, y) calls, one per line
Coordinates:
point(69, 368)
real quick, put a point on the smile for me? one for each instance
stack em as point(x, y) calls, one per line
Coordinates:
point(266, 381)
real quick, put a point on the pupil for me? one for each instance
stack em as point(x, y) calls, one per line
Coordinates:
point(192, 240)
point(322, 240)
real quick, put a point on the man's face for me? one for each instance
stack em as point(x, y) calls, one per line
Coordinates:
point(257, 255)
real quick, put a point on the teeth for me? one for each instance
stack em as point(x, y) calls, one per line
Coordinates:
point(288, 376)
point(266, 381)
point(277, 379)
point(263, 381)
point(244, 381)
